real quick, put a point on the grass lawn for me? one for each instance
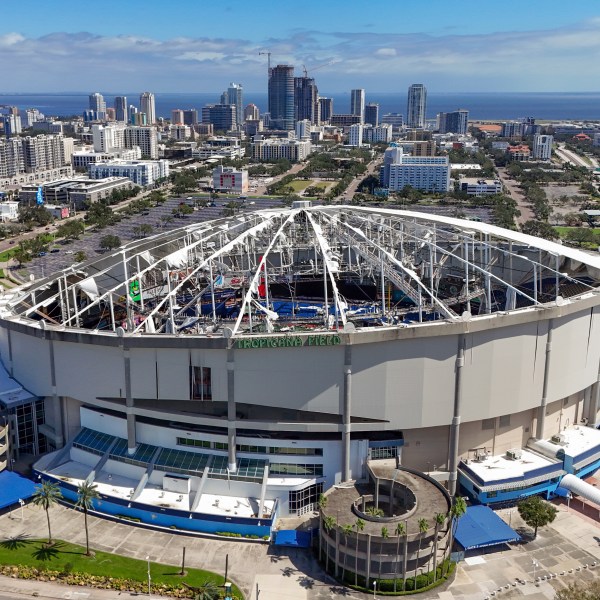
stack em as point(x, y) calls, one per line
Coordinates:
point(64, 556)
point(300, 184)
point(562, 230)
point(6, 255)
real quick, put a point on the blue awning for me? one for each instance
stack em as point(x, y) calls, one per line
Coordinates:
point(292, 537)
point(14, 487)
point(480, 526)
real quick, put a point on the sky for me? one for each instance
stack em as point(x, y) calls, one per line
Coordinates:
point(190, 46)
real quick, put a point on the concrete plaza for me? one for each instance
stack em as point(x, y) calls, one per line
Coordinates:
point(289, 574)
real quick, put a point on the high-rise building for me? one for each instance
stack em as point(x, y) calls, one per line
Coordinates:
point(221, 116)
point(372, 114)
point(416, 105)
point(542, 146)
point(325, 109)
point(177, 117)
point(131, 114)
point(148, 106)
point(98, 106)
point(303, 129)
point(121, 108)
point(43, 152)
point(357, 103)
point(145, 138)
point(12, 161)
point(11, 124)
point(107, 138)
point(454, 122)
point(190, 117)
point(281, 97)
point(235, 95)
point(306, 106)
point(251, 113)
point(32, 115)
point(355, 135)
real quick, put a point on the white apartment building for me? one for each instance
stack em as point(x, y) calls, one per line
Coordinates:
point(355, 135)
point(140, 172)
point(303, 129)
point(179, 133)
point(9, 211)
point(378, 134)
point(144, 137)
point(81, 159)
point(276, 148)
point(542, 146)
point(108, 137)
point(426, 173)
point(228, 179)
point(220, 147)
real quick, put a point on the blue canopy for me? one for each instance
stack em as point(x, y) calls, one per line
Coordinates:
point(14, 487)
point(292, 537)
point(480, 526)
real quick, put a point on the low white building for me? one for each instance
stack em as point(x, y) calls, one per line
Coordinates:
point(83, 158)
point(480, 187)
point(276, 148)
point(228, 179)
point(355, 135)
point(143, 172)
point(219, 146)
point(426, 173)
point(377, 134)
point(9, 211)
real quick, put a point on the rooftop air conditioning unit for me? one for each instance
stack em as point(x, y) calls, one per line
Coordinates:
point(558, 439)
point(514, 454)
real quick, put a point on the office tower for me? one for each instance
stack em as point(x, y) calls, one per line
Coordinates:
point(281, 97)
point(121, 108)
point(235, 95)
point(326, 109)
point(357, 103)
point(221, 116)
point(416, 105)
point(454, 122)
point(131, 114)
point(303, 129)
point(306, 95)
point(372, 114)
point(542, 146)
point(147, 106)
point(97, 105)
point(251, 113)
point(177, 117)
point(11, 124)
point(190, 117)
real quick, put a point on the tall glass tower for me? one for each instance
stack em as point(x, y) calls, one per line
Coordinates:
point(147, 106)
point(121, 108)
point(357, 103)
point(281, 97)
point(417, 105)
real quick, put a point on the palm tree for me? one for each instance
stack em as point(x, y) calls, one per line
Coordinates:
point(400, 530)
point(321, 503)
point(207, 591)
point(360, 525)
point(423, 527)
point(86, 494)
point(385, 534)
point(329, 524)
point(346, 530)
point(457, 510)
point(439, 521)
point(47, 494)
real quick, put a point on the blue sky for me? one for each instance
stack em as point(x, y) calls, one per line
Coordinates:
point(201, 45)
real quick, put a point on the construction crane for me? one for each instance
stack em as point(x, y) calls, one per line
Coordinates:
point(329, 62)
point(268, 53)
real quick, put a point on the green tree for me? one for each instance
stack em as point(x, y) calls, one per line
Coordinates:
point(207, 591)
point(385, 534)
point(182, 210)
point(346, 530)
point(101, 215)
point(80, 256)
point(108, 242)
point(400, 531)
point(439, 519)
point(328, 524)
point(580, 591)
point(423, 527)
point(360, 525)
point(86, 494)
point(46, 495)
point(539, 229)
point(457, 510)
point(21, 254)
point(536, 512)
point(36, 214)
point(71, 230)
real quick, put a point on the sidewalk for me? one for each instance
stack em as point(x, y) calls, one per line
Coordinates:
point(293, 574)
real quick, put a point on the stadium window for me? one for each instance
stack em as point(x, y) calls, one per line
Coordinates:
point(488, 423)
point(201, 383)
point(505, 421)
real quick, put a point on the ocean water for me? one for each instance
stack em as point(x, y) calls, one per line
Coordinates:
point(481, 105)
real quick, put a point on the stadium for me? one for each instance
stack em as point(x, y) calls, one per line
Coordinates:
point(229, 372)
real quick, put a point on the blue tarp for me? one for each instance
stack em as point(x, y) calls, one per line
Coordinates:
point(480, 526)
point(14, 486)
point(562, 492)
point(292, 537)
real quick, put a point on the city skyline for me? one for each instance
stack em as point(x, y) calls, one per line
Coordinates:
point(549, 47)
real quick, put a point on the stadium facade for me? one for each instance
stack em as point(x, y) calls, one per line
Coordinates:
point(228, 372)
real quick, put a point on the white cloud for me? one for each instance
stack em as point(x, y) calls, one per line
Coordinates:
point(385, 52)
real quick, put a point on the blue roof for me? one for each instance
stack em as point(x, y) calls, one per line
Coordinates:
point(14, 486)
point(480, 526)
point(292, 537)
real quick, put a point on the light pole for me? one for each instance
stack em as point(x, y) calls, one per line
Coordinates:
point(535, 564)
point(374, 588)
point(22, 503)
point(149, 580)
